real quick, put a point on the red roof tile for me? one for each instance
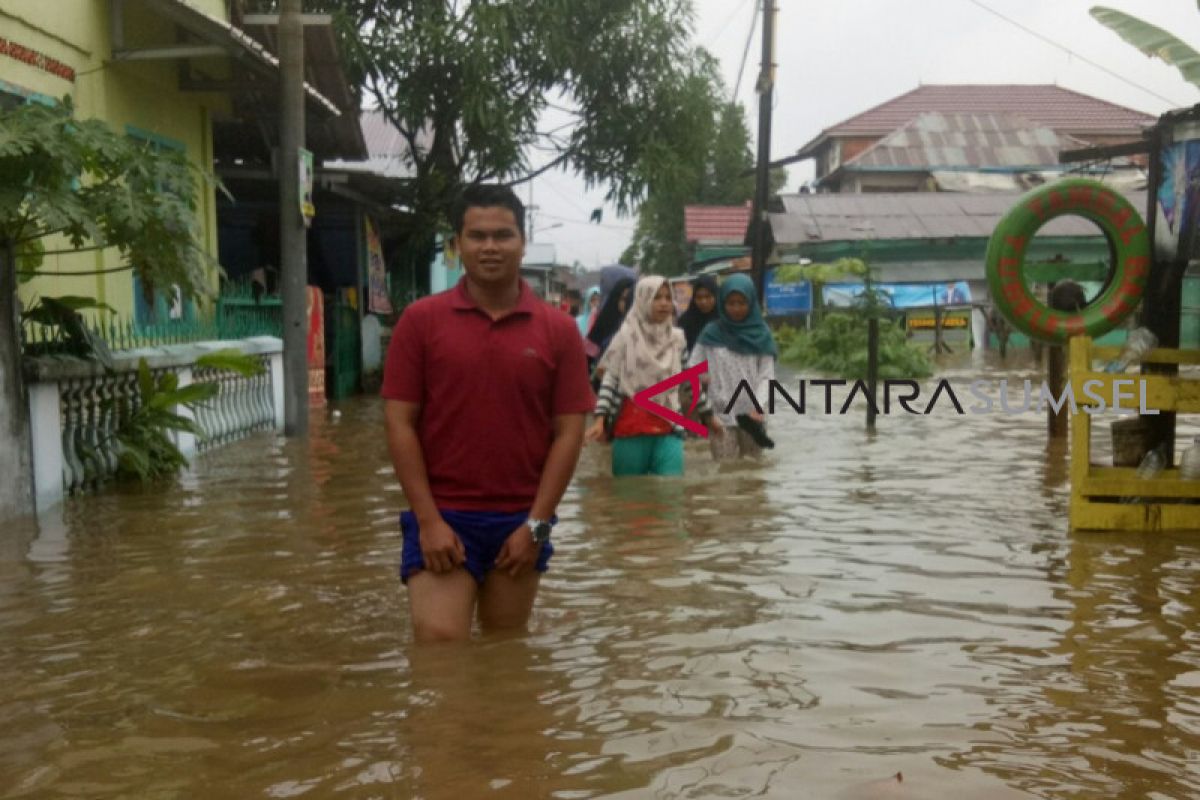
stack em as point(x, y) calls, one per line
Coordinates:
point(1062, 110)
point(716, 223)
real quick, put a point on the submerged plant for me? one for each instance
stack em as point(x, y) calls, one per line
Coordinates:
point(837, 345)
point(143, 439)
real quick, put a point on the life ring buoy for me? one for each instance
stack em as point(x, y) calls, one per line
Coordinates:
point(1128, 241)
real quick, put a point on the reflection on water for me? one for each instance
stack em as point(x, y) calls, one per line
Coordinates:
point(855, 607)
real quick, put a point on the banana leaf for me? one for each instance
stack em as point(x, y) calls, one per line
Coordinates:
point(1153, 41)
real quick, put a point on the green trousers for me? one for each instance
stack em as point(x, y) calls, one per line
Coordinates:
point(647, 455)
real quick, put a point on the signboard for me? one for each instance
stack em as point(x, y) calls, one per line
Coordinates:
point(378, 301)
point(1177, 210)
point(951, 320)
point(307, 209)
point(902, 295)
point(316, 346)
point(787, 298)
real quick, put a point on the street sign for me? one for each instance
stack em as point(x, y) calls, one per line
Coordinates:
point(787, 298)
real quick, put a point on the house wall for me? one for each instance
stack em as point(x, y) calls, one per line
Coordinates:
point(858, 183)
point(138, 96)
point(839, 150)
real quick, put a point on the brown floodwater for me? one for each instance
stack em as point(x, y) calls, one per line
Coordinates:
point(855, 607)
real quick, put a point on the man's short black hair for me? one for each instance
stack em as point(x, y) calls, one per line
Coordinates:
point(487, 195)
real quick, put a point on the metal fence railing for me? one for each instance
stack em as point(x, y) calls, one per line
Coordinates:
point(234, 318)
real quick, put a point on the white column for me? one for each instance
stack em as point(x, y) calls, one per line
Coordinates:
point(45, 423)
point(277, 388)
point(186, 442)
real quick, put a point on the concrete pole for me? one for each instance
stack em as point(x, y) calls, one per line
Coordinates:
point(1064, 296)
point(16, 466)
point(292, 240)
point(762, 179)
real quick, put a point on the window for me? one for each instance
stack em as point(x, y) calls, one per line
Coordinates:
point(166, 304)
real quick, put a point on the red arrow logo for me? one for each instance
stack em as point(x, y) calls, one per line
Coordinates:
point(692, 376)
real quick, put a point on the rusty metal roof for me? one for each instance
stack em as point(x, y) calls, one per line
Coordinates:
point(958, 140)
point(810, 218)
point(1059, 109)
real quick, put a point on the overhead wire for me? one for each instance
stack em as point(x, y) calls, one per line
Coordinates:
point(568, 220)
point(745, 54)
point(1073, 54)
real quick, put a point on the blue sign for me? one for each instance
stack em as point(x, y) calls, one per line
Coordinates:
point(787, 298)
point(902, 295)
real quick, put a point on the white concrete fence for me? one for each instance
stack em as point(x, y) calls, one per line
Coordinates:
point(72, 416)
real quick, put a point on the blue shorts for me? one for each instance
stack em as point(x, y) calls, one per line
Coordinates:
point(482, 533)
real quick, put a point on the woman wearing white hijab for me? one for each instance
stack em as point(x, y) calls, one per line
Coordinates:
point(646, 350)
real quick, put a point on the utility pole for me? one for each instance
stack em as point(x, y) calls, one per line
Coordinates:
point(762, 179)
point(292, 240)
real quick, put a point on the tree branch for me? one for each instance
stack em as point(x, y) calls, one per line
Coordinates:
point(540, 170)
point(42, 273)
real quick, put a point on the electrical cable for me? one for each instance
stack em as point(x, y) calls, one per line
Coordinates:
point(1073, 54)
point(568, 220)
point(745, 54)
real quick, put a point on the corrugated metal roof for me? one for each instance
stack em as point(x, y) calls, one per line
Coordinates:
point(716, 224)
point(388, 153)
point(992, 140)
point(809, 218)
point(222, 33)
point(1062, 110)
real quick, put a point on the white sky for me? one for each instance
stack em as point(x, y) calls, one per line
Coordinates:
point(840, 57)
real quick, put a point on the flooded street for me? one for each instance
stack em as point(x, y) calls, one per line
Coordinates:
point(856, 607)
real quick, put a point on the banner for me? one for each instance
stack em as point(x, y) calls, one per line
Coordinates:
point(307, 209)
point(316, 347)
point(378, 301)
point(902, 295)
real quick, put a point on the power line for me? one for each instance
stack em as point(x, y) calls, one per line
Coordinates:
point(570, 221)
point(720, 30)
point(745, 53)
point(564, 197)
point(1073, 54)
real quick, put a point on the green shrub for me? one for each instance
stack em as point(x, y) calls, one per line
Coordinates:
point(837, 345)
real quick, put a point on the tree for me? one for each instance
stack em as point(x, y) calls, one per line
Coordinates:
point(717, 168)
point(473, 88)
point(80, 183)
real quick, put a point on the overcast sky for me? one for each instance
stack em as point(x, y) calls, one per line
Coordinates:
point(837, 59)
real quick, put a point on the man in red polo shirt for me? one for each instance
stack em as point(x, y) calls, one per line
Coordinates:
point(485, 389)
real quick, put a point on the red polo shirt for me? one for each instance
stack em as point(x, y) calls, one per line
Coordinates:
point(489, 391)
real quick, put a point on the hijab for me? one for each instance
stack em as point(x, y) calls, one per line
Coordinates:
point(587, 314)
point(751, 335)
point(644, 352)
point(610, 276)
point(609, 320)
point(693, 319)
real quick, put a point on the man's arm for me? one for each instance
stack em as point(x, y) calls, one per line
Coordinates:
point(560, 465)
point(519, 551)
point(440, 547)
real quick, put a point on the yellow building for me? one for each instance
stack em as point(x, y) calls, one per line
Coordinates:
point(166, 71)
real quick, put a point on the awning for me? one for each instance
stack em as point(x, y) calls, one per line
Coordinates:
point(217, 38)
point(253, 83)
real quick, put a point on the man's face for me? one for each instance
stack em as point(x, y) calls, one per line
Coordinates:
point(491, 245)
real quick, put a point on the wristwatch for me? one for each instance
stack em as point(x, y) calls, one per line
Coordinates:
point(540, 528)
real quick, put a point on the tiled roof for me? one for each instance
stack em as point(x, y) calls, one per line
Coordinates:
point(716, 223)
point(1063, 110)
point(991, 140)
point(810, 218)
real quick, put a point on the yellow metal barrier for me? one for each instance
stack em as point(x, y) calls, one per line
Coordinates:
point(1114, 498)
